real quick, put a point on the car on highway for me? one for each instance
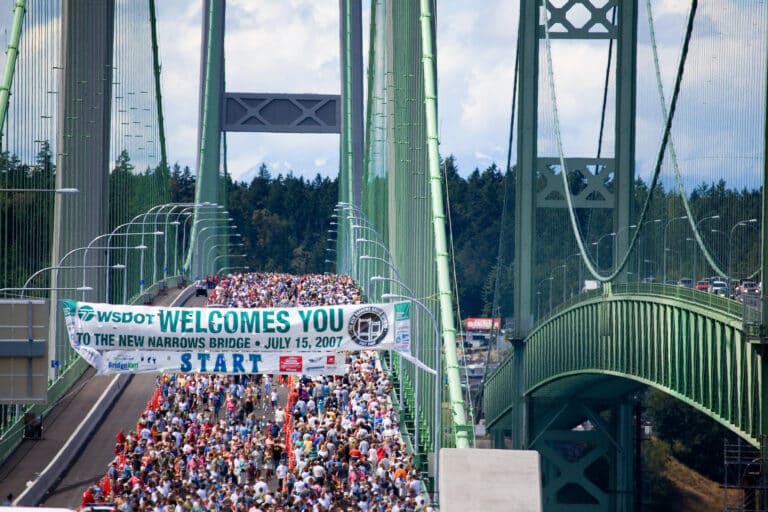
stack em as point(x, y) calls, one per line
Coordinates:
point(719, 288)
point(702, 285)
point(685, 282)
point(749, 288)
point(99, 507)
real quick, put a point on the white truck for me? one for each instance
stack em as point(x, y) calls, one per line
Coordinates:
point(590, 284)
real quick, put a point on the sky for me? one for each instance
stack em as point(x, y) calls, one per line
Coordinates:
point(292, 46)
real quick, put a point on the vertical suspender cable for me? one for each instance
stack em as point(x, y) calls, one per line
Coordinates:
point(460, 425)
point(158, 94)
point(659, 158)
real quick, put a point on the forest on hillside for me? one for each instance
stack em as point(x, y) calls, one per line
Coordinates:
point(284, 221)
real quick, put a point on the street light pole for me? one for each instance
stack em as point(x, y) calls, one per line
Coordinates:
point(666, 226)
point(109, 236)
point(730, 246)
point(597, 249)
point(723, 234)
point(200, 245)
point(653, 264)
point(580, 275)
point(551, 278)
point(105, 248)
point(696, 248)
point(216, 246)
point(230, 255)
point(438, 379)
point(217, 239)
point(618, 232)
point(552, 274)
point(68, 267)
point(640, 255)
point(537, 290)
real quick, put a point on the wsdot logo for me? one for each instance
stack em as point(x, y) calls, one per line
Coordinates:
point(85, 313)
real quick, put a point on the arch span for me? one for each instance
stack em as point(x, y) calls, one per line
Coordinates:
point(700, 348)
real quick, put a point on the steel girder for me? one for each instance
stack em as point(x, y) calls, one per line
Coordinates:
point(688, 344)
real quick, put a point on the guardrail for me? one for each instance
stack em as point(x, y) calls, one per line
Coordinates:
point(690, 295)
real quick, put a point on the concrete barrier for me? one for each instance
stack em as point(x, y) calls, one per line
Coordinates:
point(36, 492)
point(489, 480)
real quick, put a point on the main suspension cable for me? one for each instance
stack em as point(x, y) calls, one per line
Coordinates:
point(659, 159)
point(672, 152)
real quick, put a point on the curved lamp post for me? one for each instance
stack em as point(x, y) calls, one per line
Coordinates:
point(696, 247)
point(241, 267)
point(220, 237)
point(730, 245)
point(597, 248)
point(666, 227)
point(230, 255)
point(199, 246)
point(105, 248)
point(83, 288)
point(216, 246)
point(438, 377)
point(109, 236)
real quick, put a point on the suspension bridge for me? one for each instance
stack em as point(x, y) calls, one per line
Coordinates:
point(656, 183)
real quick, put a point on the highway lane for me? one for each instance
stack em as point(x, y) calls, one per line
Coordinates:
point(93, 462)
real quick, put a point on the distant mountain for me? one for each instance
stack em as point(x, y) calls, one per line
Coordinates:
point(247, 176)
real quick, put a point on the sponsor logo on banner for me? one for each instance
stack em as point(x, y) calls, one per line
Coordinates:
point(368, 326)
point(330, 360)
point(85, 312)
point(291, 364)
point(403, 340)
point(316, 363)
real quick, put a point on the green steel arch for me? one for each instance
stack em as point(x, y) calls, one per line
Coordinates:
point(699, 348)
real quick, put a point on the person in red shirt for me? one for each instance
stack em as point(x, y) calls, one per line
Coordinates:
point(88, 497)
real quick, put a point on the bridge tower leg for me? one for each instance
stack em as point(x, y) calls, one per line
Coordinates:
point(222, 111)
point(82, 159)
point(616, 22)
point(208, 185)
point(587, 455)
point(533, 169)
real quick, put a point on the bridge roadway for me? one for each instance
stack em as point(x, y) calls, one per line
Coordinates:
point(31, 457)
point(93, 462)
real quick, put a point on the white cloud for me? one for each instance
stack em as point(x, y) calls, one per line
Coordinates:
point(293, 46)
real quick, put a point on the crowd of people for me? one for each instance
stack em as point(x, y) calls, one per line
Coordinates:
point(268, 290)
point(261, 443)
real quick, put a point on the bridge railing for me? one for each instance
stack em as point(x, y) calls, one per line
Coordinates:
point(744, 310)
point(692, 295)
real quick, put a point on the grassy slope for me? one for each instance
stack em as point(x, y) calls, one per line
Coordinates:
point(695, 493)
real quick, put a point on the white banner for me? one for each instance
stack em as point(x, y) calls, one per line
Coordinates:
point(116, 338)
point(140, 361)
